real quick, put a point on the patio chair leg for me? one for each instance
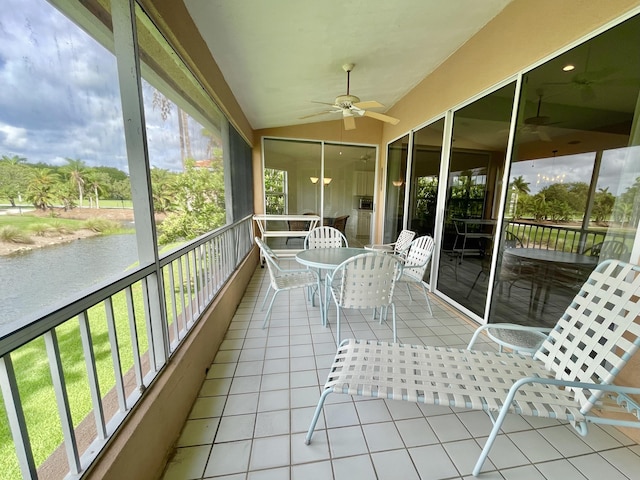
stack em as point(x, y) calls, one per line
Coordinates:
point(338, 326)
point(393, 316)
point(426, 297)
point(497, 424)
point(266, 295)
point(316, 415)
point(268, 315)
point(409, 292)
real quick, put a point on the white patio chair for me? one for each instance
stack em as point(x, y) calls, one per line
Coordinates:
point(415, 264)
point(281, 279)
point(365, 281)
point(399, 247)
point(568, 378)
point(325, 237)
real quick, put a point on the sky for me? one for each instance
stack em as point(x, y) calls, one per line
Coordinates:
point(541, 173)
point(59, 94)
point(59, 98)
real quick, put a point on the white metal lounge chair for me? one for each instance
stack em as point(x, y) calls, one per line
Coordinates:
point(281, 279)
point(365, 281)
point(568, 378)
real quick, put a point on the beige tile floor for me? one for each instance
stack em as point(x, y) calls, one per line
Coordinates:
point(254, 408)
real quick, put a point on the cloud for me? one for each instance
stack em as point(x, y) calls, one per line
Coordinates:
point(13, 137)
point(60, 94)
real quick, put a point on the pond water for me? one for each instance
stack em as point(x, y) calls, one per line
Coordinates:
point(42, 278)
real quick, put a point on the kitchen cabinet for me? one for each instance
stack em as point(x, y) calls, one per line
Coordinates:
point(364, 223)
point(364, 183)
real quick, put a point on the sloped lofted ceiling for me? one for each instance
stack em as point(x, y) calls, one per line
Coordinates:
point(279, 56)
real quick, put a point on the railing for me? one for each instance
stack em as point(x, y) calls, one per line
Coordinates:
point(108, 341)
point(566, 239)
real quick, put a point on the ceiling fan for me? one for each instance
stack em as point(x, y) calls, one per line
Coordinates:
point(537, 123)
point(350, 106)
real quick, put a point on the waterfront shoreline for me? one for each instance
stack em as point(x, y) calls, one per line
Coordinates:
point(121, 215)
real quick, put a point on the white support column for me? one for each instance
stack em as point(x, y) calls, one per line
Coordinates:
point(126, 49)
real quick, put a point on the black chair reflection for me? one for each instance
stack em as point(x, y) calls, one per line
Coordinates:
point(609, 249)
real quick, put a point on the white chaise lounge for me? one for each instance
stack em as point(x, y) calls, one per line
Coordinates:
point(570, 377)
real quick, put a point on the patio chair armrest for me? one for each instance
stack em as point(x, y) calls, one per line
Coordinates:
point(528, 334)
point(622, 391)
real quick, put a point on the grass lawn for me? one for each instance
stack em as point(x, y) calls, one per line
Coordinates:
point(27, 221)
point(34, 379)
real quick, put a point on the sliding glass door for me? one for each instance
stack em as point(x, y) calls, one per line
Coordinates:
point(334, 181)
point(574, 183)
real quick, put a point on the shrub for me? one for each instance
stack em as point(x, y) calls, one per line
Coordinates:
point(101, 225)
point(40, 229)
point(58, 227)
point(13, 234)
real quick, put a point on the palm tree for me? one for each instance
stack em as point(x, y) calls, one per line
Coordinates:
point(40, 190)
point(76, 170)
point(518, 186)
point(13, 159)
point(97, 182)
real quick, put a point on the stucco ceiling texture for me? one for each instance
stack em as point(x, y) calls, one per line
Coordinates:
point(279, 56)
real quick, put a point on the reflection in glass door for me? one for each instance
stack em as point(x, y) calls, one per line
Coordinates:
point(425, 171)
point(395, 188)
point(349, 183)
point(574, 184)
point(476, 166)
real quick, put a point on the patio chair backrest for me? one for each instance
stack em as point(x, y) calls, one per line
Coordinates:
point(271, 259)
point(418, 257)
point(366, 281)
point(610, 249)
point(403, 241)
point(325, 237)
point(599, 331)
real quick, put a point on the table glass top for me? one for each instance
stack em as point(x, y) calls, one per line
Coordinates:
point(327, 257)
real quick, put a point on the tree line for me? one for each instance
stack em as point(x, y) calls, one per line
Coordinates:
point(193, 200)
point(563, 202)
point(73, 184)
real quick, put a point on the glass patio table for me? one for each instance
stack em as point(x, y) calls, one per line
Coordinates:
point(326, 259)
point(550, 263)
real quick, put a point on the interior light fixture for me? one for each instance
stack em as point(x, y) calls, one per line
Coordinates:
point(568, 67)
point(314, 180)
point(327, 180)
point(397, 183)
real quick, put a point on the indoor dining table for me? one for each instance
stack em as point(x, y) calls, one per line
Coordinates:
point(326, 259)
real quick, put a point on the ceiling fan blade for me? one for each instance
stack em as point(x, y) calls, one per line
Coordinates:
point(368, 104)
point(381, 116)
point(316, 114)
point(326, 103)
point(349, 122)
point(544, 136)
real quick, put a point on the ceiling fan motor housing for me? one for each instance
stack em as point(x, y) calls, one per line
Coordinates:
point(346, 101)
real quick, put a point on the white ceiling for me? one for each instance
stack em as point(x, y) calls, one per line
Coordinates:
point(278, 56)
